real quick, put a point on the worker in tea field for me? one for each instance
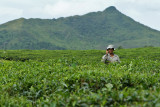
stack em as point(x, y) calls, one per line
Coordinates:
point(110, 57)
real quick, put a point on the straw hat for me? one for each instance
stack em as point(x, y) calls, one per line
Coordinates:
point(110, 47)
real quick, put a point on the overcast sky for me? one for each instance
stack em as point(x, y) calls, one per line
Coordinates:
point(146, 12)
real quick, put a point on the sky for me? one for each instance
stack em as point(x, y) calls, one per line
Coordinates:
point(146, 12)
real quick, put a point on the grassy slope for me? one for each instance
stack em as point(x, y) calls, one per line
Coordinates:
point(91, 31)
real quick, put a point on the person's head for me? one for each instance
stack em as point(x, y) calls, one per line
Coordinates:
point(110, 49)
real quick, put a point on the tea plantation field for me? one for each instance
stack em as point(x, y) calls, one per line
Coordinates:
point(66, 78)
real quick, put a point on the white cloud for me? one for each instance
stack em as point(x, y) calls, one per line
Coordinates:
point(10, 11)
point(65, 8)
point(8, 14)
point(143, 11)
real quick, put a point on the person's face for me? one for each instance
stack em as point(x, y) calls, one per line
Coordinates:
point(110, 51)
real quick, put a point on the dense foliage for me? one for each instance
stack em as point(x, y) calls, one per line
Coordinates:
point(91, 31)
point(79, 78)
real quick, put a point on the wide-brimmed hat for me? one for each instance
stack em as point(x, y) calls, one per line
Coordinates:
point(110, 47)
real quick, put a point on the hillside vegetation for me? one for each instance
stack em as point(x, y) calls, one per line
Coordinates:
point(79, 78)
point(94, 30)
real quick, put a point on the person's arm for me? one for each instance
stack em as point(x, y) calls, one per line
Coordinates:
point(104, 58)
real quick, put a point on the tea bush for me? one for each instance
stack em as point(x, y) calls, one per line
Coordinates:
point(79, 78)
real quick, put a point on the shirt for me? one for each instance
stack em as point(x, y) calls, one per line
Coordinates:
point(108, 58)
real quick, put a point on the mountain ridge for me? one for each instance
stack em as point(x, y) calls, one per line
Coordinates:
point(93, 30)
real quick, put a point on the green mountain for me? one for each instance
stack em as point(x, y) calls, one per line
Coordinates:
point(94, 30)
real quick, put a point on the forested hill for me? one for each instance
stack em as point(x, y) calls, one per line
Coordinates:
point(94, 30)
